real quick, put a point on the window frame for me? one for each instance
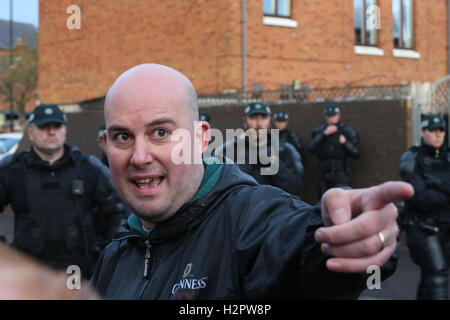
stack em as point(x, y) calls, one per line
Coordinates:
point(363, 27)
point(400, 38)
point(276, 15)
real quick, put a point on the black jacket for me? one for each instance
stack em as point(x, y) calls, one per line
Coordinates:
point(292, 138)
point(64, 213)
point(328, 147)
point(428, 170)
point(240, 241)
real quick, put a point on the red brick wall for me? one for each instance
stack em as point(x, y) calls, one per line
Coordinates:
point(202, 39)
point(321, 48)
point(195, 37)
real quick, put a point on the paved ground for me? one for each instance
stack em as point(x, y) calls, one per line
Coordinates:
point(401, 286)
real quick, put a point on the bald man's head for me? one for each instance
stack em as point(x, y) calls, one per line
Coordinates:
point(149, 79)
point(150, 114)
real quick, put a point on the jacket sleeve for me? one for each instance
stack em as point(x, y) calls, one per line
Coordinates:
point(316, 138)
point(426, 198)
point(111, 211)
point(351, 144)
point(277, 256)
point(295, 141)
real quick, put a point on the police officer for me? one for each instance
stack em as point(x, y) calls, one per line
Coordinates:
point(101, 144)
point(426, 216)
point(281, 121)
point(334, 142)
point(255, 151)
point(59, 196)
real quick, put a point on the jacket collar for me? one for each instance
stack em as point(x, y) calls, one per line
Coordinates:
point(71, 153)
point(429, 151)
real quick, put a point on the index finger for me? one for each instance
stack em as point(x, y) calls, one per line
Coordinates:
point(379, 196)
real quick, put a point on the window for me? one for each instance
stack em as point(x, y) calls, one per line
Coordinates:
point(278, 8)
point(403, 12)
point(366, 17)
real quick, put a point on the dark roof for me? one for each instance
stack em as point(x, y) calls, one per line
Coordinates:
point(24, 31)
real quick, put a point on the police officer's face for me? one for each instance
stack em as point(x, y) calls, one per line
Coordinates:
point(281, 125)
point(48, 138)
point(333, 119)
point(257, 121)
point(434, 138)
point(143, 110)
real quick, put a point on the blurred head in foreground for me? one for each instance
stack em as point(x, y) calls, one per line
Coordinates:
point(22, 278)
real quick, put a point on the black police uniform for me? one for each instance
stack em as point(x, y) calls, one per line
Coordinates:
point(103, 156)
point(65, 212)
point(290, 168)
point(426, 216)
point(333, 156)
point(287, 135)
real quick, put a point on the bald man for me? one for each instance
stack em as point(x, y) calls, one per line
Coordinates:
point(207, 230)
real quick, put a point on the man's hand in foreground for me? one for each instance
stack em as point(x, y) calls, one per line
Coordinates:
point(356, 224)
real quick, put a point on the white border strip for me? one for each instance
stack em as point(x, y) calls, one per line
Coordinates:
point(405, 53)
point(370, 51)
point(280, 22)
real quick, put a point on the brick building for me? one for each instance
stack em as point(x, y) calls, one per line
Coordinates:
point(318, 42)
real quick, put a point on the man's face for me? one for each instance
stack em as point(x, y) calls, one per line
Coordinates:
point(281, 125)
point(433, 138)
point(257, 121)
point(141, 117)
point(333, 119)
point(48, 138)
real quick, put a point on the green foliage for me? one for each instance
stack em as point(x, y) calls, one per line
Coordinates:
point(18, 81)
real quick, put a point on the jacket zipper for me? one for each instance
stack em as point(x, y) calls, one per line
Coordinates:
point(147, 260)
point(147, 270)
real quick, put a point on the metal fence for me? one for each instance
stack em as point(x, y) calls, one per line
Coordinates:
point(289, 95)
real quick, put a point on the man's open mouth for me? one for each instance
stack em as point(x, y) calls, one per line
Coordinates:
point(148, 182)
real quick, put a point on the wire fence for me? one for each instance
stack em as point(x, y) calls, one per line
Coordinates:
point(289, 95)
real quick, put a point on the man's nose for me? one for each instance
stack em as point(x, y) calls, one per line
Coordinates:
point(142, 154)
point(51, 130)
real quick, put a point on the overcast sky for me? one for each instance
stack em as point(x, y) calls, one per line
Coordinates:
point(24, 11)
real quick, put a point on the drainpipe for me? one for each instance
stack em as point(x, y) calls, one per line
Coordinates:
point(448, 62)
point(244, 44)
point(448, 36)
point(11, 62)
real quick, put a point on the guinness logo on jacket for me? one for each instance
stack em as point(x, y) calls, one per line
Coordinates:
point(189, 284)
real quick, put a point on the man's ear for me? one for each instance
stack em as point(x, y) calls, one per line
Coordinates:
point(204, 130)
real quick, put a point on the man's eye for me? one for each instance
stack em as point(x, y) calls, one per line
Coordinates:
point(160, 133)
point(122, 137)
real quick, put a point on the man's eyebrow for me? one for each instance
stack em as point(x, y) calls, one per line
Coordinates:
point(155, 122)
point(116, 128)
point(160, 121)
